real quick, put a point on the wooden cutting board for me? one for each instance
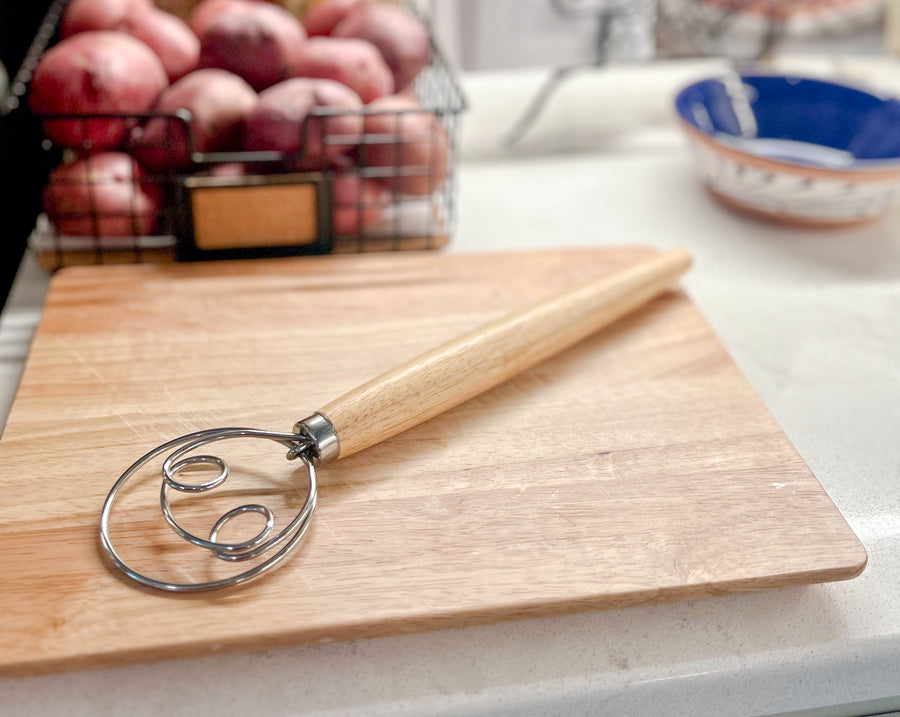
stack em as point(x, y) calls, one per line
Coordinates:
point(639, 466)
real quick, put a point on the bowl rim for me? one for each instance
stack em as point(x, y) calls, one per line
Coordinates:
point(872, 169)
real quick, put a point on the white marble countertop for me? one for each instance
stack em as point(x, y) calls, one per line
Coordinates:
point(810, 316)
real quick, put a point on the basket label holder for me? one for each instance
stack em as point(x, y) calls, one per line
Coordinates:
point(250, 216)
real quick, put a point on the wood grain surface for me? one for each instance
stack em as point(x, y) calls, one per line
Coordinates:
point(635, 467)
point(440, 379)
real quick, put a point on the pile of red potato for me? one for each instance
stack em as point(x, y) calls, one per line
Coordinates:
point(330, 90)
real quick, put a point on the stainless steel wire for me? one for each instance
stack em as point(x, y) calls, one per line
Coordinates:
point(181, 455)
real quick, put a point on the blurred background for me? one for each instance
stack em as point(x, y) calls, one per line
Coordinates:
point(503, 34)
point(557, 38)
point(527, 33)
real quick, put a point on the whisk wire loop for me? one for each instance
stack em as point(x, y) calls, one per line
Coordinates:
point(264, 542)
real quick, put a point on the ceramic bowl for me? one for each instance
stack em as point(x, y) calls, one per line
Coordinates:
point(792, 149)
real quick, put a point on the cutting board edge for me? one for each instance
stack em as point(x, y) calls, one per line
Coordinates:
point(431, 621)
point(63, 274)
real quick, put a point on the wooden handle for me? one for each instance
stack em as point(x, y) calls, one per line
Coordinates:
point(446, 376)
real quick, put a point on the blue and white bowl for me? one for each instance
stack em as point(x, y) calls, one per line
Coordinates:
point(793, 149)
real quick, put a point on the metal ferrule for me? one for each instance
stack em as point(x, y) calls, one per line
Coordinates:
point(318, 429)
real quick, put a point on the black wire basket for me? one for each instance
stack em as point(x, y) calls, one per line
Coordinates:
point(249, 204)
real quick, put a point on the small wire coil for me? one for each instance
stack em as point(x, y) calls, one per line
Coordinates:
point(264, 542)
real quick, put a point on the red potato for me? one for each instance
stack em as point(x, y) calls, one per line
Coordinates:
point(409, 139)
point(95, 73)
point(283, 121)
point(104, 195)
point(321, 17)
point(352, 62)
point(402, 40)
point(257, 41)
point(228, 169)
point(218, 102)
point(357, 204)
point(205, 11)
point(169, 37)
point(88, 15)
